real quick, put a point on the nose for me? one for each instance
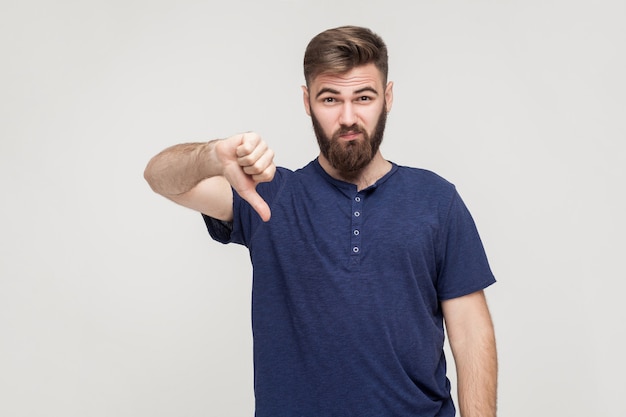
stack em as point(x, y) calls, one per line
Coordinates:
point(348, 115)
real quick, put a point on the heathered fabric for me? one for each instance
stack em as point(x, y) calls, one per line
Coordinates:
point(347, 288)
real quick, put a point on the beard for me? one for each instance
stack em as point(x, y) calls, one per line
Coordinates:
point(350, 157)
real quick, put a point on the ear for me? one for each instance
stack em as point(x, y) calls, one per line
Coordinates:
point(305, 98)
point(389, 96)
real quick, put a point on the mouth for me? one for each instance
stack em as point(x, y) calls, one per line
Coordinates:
point(350, 135)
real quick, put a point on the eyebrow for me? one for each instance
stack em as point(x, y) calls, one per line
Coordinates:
point(333, 91)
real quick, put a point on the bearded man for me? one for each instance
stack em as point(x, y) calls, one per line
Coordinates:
point(357, 261)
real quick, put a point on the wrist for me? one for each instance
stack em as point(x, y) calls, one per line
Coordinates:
point(211, 155)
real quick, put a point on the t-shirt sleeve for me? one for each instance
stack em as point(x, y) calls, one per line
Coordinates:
point(236, 231)
point(463, 265)
point(219, 230)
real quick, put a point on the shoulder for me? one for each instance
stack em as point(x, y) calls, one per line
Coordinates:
point(285, 178)
point(424, 175)
point(308, 174)
point(283, 173)
point(423, 180)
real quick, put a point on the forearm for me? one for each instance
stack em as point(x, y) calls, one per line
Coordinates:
point(179, 168)
point(477, 369)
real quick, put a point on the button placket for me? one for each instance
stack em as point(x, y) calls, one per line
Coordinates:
point(357, 211)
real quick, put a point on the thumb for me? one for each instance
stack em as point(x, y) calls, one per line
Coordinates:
point(258, 204)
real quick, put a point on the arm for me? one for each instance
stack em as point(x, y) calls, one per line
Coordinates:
point(200, 175)
point(472, 340)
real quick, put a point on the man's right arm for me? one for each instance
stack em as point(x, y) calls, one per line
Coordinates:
point(201, 176)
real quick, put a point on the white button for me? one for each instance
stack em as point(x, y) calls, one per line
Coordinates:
point(357, 199)
point(357, 214)
point(356, 233)
point(355, 249)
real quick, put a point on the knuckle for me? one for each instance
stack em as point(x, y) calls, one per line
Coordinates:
point(251, 137)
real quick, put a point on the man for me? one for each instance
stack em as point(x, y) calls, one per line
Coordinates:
point(357, 261)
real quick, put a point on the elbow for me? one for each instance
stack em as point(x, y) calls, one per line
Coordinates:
point(150, 176)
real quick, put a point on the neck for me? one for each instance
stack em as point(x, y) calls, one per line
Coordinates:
point(371, 173)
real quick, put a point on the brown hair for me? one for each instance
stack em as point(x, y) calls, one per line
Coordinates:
point(338, 50)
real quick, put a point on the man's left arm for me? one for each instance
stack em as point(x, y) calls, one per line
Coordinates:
point(472, 340)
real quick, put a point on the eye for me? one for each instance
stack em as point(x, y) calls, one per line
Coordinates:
point(328, 100)
point(364, 98)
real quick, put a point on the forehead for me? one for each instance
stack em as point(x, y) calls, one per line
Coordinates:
point(358, 77)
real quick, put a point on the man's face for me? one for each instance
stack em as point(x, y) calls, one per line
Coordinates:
point(349, 112)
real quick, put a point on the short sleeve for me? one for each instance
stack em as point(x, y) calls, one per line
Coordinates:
point(463, 265)
point(219, 230)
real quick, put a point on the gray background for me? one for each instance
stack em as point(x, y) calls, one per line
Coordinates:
point(114, 301)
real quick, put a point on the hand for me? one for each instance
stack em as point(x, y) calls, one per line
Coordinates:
point(246, 161)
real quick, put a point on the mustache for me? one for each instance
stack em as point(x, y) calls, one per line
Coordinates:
point(343, 130)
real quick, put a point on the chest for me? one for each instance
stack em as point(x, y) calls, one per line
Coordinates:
point(373, 229)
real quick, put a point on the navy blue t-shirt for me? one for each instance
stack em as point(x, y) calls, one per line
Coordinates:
point(347, 286)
